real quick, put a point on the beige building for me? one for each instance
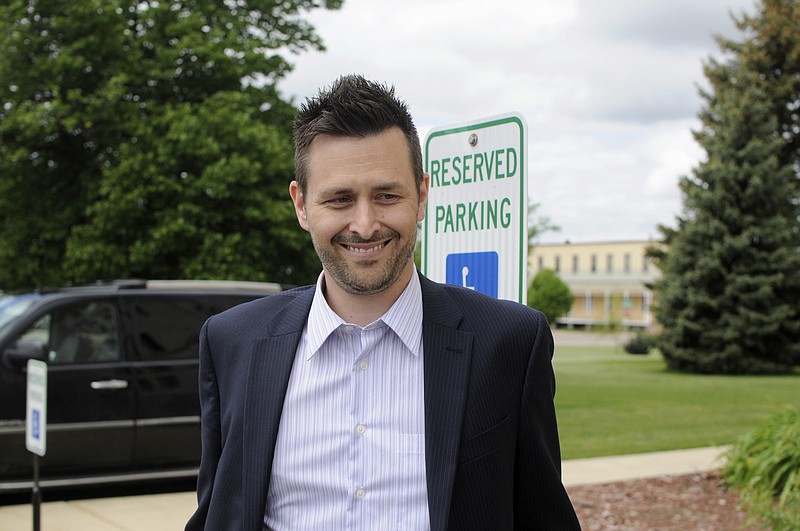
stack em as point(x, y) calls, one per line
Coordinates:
point(610, 281)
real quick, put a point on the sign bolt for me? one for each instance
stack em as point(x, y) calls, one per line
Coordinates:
point(473, 140)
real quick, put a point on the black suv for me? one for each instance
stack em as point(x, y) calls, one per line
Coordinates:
point(122, 398)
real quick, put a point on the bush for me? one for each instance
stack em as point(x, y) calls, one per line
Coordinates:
point(548, 294)
point(640, 343)
point(764, 466)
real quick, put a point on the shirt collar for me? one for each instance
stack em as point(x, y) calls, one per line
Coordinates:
point(404, 318)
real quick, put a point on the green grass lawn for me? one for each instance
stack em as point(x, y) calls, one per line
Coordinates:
point(613, 403)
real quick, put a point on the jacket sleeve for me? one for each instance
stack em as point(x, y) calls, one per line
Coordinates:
point(540, 499)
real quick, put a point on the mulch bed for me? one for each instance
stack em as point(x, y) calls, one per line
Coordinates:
point(696, 502)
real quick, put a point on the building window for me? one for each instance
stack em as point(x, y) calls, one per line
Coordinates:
point(575, 263)
point(558, 264)
point(541, 263)
point(645, 264)
point(610, 263)
point(594, 263)
point(587, 304)
point(627, 263)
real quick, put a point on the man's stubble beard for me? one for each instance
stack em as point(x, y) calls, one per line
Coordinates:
point(348, 278)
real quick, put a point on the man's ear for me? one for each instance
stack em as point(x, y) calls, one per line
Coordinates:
point(423, 196)
point(299, 201)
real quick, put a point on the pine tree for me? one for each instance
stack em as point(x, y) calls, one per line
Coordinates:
point(729, 298)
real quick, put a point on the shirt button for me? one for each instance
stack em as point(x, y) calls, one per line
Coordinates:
point(348, 328)
point(360, 494)
point(363, 365)
point(360, 429)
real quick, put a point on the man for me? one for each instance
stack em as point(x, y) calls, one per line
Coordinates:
point(376, 399)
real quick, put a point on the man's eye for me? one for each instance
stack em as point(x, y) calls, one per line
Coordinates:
point(339, 200)
point(388, 197)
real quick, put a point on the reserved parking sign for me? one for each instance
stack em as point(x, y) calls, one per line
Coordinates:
point(475, 229)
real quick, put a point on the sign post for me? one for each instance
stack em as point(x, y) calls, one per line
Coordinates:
point(36, 428)
point(475, 228)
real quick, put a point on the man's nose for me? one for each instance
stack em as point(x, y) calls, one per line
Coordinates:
point(365, 220)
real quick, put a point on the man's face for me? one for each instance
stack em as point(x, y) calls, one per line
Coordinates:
point(361, 207)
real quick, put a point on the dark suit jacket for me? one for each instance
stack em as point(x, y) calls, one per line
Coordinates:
point(491, 444)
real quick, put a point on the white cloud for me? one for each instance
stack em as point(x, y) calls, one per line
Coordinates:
point(608, 89)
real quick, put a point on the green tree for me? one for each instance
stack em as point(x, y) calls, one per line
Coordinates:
point(548, 294)
point(148, 138)
point(729, 298)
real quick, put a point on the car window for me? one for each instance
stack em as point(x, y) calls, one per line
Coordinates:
point(13, 307)
point(78, 333)
point(167, 327)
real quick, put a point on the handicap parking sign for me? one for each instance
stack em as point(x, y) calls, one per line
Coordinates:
point(478, 271)
point(477, 209)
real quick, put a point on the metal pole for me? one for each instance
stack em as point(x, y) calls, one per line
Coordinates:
point(36, 496)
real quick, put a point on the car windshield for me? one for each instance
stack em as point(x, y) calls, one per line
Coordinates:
point(13, 306)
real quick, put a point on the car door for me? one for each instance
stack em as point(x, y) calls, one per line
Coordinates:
point(164, 342)
point(90, 406)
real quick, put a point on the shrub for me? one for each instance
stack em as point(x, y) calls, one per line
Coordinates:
point(550, 295)
point(764, 466)
point(639, 343)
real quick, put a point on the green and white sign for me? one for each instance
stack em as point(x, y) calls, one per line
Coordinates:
point(36, 408)
point(475, 228)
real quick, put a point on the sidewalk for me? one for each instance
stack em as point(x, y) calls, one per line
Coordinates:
point(169, 512)
point(596, 470)
point(563, 336)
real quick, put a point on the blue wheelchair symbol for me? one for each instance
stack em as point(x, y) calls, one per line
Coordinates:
point(478, 271)
point(36, 424)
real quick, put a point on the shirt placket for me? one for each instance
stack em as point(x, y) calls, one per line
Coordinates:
point(365, 462)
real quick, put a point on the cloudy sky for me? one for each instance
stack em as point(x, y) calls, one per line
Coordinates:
point(608, 90)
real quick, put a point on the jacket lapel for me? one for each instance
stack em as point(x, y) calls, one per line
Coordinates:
point(270, 366)
point(447, 354)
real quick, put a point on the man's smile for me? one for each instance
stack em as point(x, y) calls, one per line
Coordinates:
point(365, 250)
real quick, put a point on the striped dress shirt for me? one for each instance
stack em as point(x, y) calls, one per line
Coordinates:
point(350, 453)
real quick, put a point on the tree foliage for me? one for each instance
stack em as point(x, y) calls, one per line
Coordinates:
point(729, 298)
point(550, 295)
point(147, 138)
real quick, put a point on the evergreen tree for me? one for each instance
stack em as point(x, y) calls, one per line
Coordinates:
point(147, 138)
point(729, 298)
